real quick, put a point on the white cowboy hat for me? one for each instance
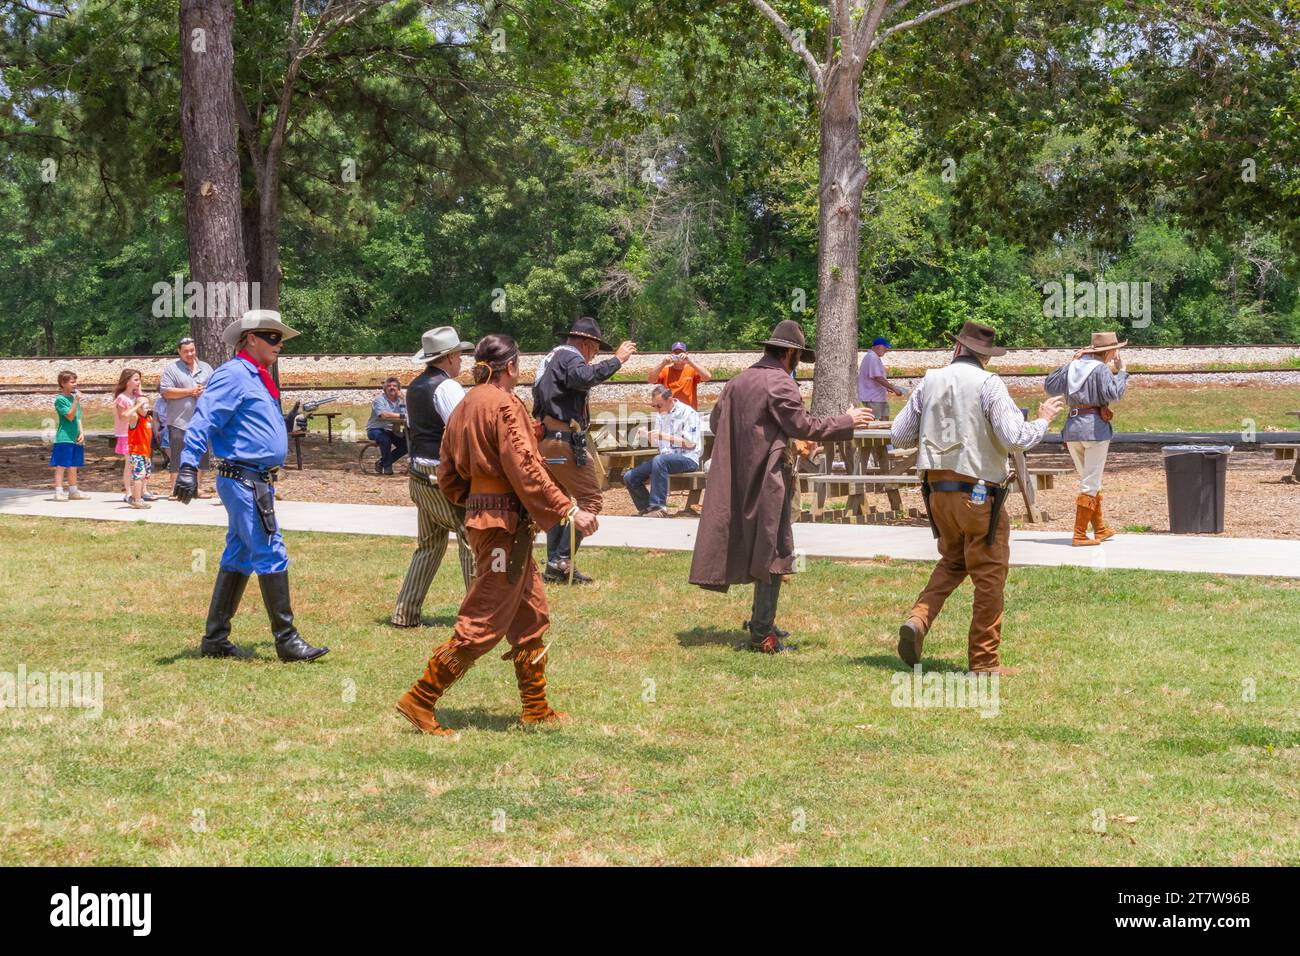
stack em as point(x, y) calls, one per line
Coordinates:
point(253, 320)
point(438, 342)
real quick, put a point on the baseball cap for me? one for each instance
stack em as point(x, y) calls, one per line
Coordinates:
point(881, 340)
point(679, 347)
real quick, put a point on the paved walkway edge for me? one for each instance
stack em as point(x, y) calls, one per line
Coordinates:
point(1151, 552)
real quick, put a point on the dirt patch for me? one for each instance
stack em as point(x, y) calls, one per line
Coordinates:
point(1257, 503)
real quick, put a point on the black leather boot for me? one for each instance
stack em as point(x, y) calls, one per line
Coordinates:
point(226, 595)
point(289, 646)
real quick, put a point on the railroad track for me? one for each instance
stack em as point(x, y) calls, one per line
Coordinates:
point(49, 388)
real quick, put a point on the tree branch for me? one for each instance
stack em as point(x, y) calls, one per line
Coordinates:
point(44, 13)
point(917, 21)
point(863, 40)
point(814, 70)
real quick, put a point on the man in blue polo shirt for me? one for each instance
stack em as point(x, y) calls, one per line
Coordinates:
point(238, 416)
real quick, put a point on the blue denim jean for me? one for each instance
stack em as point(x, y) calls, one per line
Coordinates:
point(656, 471)
point(391, 446)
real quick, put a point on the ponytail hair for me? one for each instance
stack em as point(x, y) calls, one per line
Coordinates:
point(492, 354)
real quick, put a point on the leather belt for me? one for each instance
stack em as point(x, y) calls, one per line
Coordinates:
point(482, 485)
point(1080, 409)
point(242, 472)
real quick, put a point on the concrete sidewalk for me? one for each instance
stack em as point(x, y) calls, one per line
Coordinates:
point(1152, 552)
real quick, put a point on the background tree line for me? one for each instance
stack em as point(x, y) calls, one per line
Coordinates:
point(510, 166)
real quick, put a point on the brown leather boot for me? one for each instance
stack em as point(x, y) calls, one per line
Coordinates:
point(911, 638)
point(530, 673)
point(445, 667)
point(1099, 528)
point(1082, 515)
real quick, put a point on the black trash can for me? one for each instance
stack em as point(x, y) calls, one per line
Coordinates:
point(1194, 482)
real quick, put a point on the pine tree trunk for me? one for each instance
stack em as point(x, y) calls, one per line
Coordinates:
point(842, 178)
point(210, 165)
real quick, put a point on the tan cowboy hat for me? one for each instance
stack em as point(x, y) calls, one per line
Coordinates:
point(1104, 342)
point(439, 342)
point(788, 334)
point(254, 320)
point(978, 338)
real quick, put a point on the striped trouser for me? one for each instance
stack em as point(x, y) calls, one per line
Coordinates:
point(438, 517)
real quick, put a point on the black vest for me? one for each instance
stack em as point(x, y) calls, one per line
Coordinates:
point(425, 425)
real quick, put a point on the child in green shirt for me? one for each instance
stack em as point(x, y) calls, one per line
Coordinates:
point(69, 439)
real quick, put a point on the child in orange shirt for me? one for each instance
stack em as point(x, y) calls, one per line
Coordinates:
point(139, 444)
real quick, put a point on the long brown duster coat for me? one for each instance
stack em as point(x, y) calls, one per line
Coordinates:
point(744, 534)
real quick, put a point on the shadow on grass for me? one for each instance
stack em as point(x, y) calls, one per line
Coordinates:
point(192, 653)
point(476, 718)
point(438, 620)
point(892, 662)
point(704, 636)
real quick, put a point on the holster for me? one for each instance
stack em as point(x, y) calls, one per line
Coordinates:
point(264, 498)
point(579, 442)
point(925, 497)
point(999, 495)
point(521, 548)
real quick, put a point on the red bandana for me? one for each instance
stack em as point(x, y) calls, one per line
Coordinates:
point(263, 374)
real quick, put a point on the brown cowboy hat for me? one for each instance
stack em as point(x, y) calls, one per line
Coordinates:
point(587, 328)
point(788, 334)
point(978, 338)
point(1104, 342)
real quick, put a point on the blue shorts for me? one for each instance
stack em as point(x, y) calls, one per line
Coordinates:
point(67, 454)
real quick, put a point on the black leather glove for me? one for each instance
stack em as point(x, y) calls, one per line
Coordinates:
point(187, 484)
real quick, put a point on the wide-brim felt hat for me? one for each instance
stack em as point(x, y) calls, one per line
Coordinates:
point(589, 328)
point(255, 320)
point(788, 334)
point(978, 338)
point(1104, 342)
point(439, 342)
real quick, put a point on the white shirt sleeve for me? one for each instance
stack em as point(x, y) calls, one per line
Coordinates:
point(448, 395)
point(1006, 418)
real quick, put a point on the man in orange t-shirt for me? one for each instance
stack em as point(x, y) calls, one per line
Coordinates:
point(679, 373)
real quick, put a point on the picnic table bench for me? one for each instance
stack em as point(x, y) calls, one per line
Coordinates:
point(1045, 478)
point(1286, 451)
point(857, 487)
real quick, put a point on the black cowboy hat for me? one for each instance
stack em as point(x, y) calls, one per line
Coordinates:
point(587, 328)
point(788, 334)
point(978, 338)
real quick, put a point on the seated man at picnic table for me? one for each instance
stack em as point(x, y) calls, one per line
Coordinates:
point(677, 432)
point(387, 416)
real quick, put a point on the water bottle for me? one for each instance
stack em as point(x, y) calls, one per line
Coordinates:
point(978, 496)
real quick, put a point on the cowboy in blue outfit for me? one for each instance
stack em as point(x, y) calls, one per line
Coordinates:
point(239, 416)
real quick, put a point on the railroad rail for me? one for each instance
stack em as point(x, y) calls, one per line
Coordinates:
point(50, 388)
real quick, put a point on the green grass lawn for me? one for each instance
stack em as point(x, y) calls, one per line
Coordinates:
point(682, 749)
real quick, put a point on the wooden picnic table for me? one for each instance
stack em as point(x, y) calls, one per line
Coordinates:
point(619, 460)
point(329, 424)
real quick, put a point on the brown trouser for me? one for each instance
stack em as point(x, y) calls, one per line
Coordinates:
point(963, 529)
point(496, 607)
point(582, 484)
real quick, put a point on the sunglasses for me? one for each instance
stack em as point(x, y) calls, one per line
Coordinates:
point(270, 338)
point(184, 342)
